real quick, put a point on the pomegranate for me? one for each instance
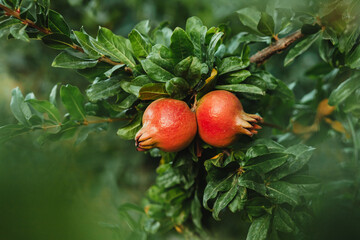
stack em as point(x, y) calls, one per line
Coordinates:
point(221, 118)
point(168, 124)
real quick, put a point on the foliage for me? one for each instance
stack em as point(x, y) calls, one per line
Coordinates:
point(264, 179)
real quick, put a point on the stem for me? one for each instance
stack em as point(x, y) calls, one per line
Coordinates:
point(281, 44)
point(271, 125)
point(46, 31)
point(85, 122)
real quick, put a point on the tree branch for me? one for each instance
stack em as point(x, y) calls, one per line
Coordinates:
point(281, 44)
point(16, 14)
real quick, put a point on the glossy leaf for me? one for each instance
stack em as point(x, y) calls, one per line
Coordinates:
point(236, 77)
point(249, 17)
point(181, 44)
point(282, 221)
point(57, 23)
point(196, 31)
point(57, 41)
point(241, 88)
point(231, 64)
point(18, 32)
point(177, 87)
point(65, 60)
point(214, 44)
point(19, 107)
point(190, 69)
point(130, 130)
point(344, 90)
point(153, 91)
point(46, 107)
point(140, 45)
point(163, 57)
point(238, 203)
point(214, 186)
point(74, 101)
point(7, 24)
point(259, 228)
point(85, 42)
point(266, 24)
point(301, 155)
point(103, 89)
point(300, 48)
point(284, 192)
point(267, 162)
point(224, 199)
point(156, 72)
point(114, 46)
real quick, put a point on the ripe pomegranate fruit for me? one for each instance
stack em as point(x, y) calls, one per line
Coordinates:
point(221, 118)
point(168, 124)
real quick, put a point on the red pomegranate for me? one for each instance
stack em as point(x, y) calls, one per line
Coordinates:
point(168, 124)
point(221, 118)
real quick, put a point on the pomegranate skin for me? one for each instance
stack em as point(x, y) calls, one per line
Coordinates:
point(221, 118)
point(168, 124)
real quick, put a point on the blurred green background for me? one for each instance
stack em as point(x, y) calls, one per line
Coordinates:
point(66, 191)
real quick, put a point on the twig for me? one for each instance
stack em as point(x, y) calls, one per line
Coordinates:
point(16, 14)
point(271, 125)
point(281, 44)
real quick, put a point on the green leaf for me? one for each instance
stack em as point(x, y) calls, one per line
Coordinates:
point(18, 32)
point(300, 48)
point(344, 90)
point(249, 17)
point(103, 89)
point(177, 87)
point(282, 221)
point(197, 32)
point(140, 45)
point(7, 24)
point(114, 46)
point(238, 203)
point(251, 180)
point(236, 77)
point(125, 103)
point(65, 60)
point(353, 60)
point(232, 64)
point(259, 228)
point(163, 57)
point(73, 101)
point(19, 107)
point(135, 85)
point(130, 130)
point(53, 93)
point(12, 130)
point(57, 41)
point(143, 27)
point(84, 40)
point(284, 192)
point(153, 91)
point(57, 23)
point(301, 155)
point(214, 186)
point(242, 88)
point(181, 44)
point(267, 162)
point(266, 24)
point(46, 107)
point(155, 71)
point(224, 199)
point(214, 44)
point(190, 69)
point(196, 213)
